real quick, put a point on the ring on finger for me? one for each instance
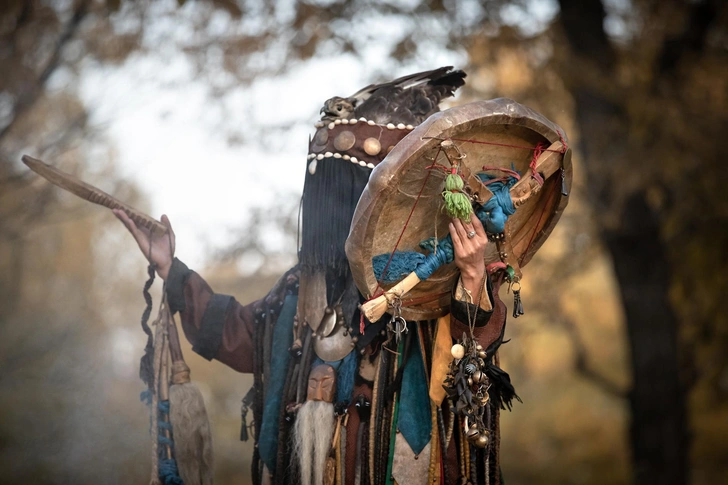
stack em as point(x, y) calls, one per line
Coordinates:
point(471, 234)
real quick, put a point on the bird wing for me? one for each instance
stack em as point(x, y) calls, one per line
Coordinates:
point(403, 82)
point(408, 99)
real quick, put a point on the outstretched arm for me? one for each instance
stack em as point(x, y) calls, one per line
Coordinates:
point(216, 325)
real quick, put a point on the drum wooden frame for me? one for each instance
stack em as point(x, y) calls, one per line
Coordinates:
point(403, 193)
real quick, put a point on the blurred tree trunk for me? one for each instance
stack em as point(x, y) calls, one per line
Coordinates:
point(630, 227)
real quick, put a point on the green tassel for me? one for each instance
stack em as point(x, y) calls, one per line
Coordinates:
point(457, 204)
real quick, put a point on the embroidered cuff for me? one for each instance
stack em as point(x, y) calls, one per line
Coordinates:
point(460, 308)
point(176, 281)
point(213, 321)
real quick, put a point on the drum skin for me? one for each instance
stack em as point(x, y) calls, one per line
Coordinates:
point(402, 203)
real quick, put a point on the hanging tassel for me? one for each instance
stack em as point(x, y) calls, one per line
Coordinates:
point(457, 203)
point(190, 426)
point(564, 192)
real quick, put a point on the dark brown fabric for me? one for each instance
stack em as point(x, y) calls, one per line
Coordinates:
point(236, 346)
point(352, 431)
point(488, 325)
point(175, 285)
point(209, 338)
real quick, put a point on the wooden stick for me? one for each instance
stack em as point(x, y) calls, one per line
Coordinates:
point(547, 165)
point(158, 341)
point(90, 193)
point(164, 386)
point(376, 307)
point(180, 370)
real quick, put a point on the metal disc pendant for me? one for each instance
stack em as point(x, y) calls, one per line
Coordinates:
point(328, 323)
point(334, 347)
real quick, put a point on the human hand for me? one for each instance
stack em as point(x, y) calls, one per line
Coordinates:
point(469, 251)
point(161, 246)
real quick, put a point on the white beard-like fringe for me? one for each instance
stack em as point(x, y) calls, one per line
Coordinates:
point(312, 440)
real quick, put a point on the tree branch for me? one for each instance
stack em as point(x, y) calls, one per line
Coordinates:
point(583, 22)
point(29, 96)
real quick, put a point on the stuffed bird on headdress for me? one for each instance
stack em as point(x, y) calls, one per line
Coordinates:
point(409, 99)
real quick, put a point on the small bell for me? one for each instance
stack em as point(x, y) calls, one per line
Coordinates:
point(482, 440)
point(477, 376)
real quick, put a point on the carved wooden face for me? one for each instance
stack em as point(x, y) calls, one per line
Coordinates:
point(321, 384)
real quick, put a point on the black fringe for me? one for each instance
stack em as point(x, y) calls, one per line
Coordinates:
point(501, 390)
point(329, 201)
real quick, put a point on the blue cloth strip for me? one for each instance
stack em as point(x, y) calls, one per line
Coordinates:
point(282, 341)
point(414, 420)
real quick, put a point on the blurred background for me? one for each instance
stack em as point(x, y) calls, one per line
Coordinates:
point(202, 109)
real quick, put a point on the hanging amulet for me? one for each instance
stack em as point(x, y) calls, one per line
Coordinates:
point(457, 351)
